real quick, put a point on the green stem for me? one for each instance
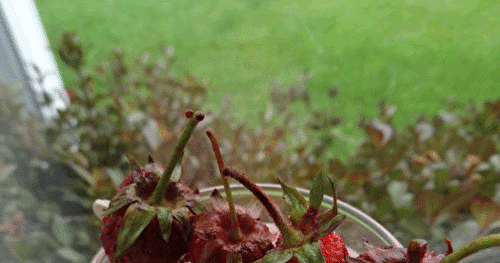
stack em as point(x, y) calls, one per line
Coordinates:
point(236, 234)
point(291, 237)
point(161, 187)
point(473, 247)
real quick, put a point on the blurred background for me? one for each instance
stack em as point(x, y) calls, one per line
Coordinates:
point(398, 101)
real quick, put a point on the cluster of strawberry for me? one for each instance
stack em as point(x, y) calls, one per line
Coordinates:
point(154, 218)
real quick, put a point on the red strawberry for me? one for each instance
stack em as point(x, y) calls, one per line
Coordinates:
point(333, 248)
point(148, 219)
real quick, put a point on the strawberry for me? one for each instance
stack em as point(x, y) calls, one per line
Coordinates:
point(211, 239)
point(227, 233)
point(415, 253)
point(153, 220)
point(306, 230)
point(148, 219)
point(333, 248)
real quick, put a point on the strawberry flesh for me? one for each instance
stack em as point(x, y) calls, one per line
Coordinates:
point(333, 248)
point(211, 239)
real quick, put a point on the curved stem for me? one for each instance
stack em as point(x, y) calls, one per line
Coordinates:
point(291, 237)
point(161, 187)
point(236, 234)
point(473, 247)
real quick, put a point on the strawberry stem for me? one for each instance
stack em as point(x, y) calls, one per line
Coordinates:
point(236, 234)
point(161, 187)
point(473, 247)
point(291, 237)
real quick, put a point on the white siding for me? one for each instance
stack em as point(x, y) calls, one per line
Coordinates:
point(29, 36)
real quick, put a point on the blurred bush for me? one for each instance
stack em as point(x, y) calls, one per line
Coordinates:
point(44, 217)
point(437, 178)
point(140, 113)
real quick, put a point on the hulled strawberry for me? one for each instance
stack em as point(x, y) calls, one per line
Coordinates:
point(306, 230)
point(227, 233)
point(415, 253)
point(148, 219)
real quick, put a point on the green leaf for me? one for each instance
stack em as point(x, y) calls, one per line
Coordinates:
point(176, 174)
point(441, 178)
point(337, 168)
point(127, 197)
point(165, 218)
point(6, 171)
point(277, 257)
point(326, 229)
point(115, 175)
point(71, 255)
point(317, 191)
point(485, 211)
point(309, 253)
point(296, 202)
point(136, 218)
point(62, 230)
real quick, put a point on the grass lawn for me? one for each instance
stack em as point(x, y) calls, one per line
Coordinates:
point(414, 54)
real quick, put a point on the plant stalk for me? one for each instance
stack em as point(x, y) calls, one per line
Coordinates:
point(291, 237)
point(473, 247)
point(236, 233)
point(161, 187)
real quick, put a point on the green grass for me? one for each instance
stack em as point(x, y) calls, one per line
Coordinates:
point(414, 54)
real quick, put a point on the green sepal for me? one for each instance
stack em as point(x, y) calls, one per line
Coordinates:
point(197, 207)
point(137, 217)
point(330, 213)
point(277, 257)
point(309, 253)
point(317, 191)
point(126, 197)
point(165, 218)
point(296, 203)
point(182, 215)
point(327, 228)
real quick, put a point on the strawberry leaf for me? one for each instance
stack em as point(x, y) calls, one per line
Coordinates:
point(326, 229)
point(277, 257)
point(309, 253)
point(296, 202)
point(317, 191)
point(127, 197)
point(485, 211)
point(165, 219)
point(137, 217)
point(332, 212)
